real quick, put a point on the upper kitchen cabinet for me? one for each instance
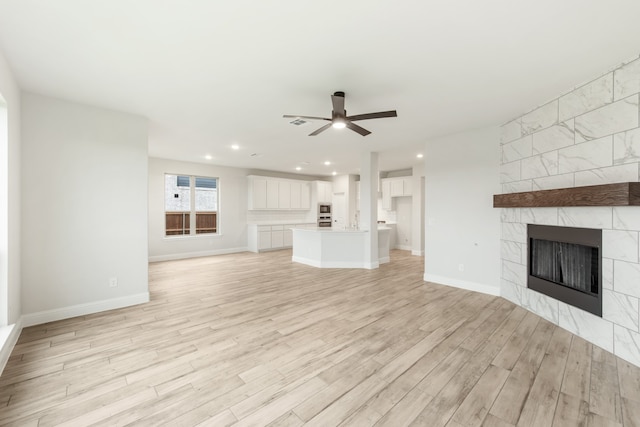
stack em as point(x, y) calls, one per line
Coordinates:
point(275, 193)
point(394, 187)
point(399, 186)
point(324, 191)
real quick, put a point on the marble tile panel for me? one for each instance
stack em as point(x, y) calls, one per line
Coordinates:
point(541, 216)
point(517, 187)
point(597, 153)
point(553, 182)
point(592, 328)
point(511, 251)
point(609, 175)
point(613, 118)
point(607, 273)
point(510, 131)
point(593, 217)
point(541, 165)
point(510, 215)
point(626, 278)
point(586, 98)
point(541, 305)
point(510, 172)
point(626, 218)
point(627, 80)
point(518, 149)
point(514, 273)
point(512, 292)
point(620, 245)
point(514, 232)
point(627, 344)
point(626, 147)
point(620, 309)
point(540, 118)
point(525, 255)
point(553, 138)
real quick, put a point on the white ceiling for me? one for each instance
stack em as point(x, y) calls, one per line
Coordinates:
point(209, 74)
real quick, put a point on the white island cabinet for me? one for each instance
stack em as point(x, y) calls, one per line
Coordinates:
point(335, 248)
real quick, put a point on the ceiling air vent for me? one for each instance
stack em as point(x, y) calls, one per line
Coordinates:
point(298, 122)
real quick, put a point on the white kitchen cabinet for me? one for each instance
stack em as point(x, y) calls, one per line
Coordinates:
point(272, 237)
point(397, 187)
point(296, 195)
point(305, 195)
point(264, 237)
point(275, 193)
point(288, 236)
point(324, 191)
point(394, 187)
point(406, 186)
point(277, 236)
point(284, 195)
point(258, 193)
point(386, 195)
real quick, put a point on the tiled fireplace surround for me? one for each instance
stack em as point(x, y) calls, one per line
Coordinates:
point(588, 136)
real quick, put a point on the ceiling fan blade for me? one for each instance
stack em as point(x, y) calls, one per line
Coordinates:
point(379, 115)
point(354, 127)
point(337, 99)
point(322, 129)
point(289, 116)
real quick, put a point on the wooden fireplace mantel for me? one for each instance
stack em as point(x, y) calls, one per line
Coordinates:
point(619, 194)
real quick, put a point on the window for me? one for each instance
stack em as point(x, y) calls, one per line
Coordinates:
point(190, 205)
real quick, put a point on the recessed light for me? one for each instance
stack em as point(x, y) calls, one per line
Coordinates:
point(420, 156)
point(298, 168)
point(327, 163)
point(334, 173)
point(235, 146)
point(208, 157)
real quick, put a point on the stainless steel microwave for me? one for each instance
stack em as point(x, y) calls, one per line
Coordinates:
point(324, 208)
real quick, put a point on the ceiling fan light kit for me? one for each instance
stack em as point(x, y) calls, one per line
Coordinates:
point(339, 118)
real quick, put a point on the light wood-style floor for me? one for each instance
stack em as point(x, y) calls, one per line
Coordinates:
point(253, 340)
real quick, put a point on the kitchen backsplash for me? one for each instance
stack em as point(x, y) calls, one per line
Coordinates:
point(263, 217)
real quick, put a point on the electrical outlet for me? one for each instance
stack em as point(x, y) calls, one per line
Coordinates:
point(460, 267)
point(113, 282)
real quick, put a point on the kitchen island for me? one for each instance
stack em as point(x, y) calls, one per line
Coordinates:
point(337, 248)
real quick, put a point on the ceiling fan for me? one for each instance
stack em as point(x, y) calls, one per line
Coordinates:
point(339, 118)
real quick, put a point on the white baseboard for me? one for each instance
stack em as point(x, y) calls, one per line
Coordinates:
point(463, 284)
point(403, 247)
point(83, 309)
point(384, 260)
point(185, 255)
point(8, 337)
point(334, 264)
point(417, 253)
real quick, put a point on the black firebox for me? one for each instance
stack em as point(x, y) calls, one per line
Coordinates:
point(565, 263)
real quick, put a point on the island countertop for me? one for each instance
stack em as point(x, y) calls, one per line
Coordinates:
point(337, 247)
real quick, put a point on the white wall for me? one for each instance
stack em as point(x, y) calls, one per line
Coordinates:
point(417, 213)
point(84, 209)
point(462, 175)
point(232, 220)
point(9, 198)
